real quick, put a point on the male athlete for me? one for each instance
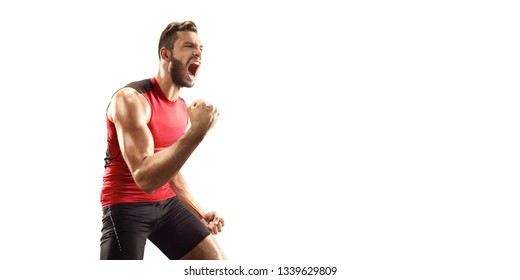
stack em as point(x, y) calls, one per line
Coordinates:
point(144, 195)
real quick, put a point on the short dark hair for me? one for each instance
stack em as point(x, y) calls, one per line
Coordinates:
point(168, 36)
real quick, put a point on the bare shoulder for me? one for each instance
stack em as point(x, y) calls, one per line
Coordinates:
point(127, 102)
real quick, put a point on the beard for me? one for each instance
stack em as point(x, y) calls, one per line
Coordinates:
point(176, 68)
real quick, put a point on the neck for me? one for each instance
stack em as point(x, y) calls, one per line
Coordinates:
point(170, 90)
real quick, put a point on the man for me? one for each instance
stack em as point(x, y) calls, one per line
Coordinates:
point(144, 195)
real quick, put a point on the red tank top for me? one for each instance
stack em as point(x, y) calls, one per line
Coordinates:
point(168, 122)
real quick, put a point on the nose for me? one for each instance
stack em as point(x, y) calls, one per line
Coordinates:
point(197, 53)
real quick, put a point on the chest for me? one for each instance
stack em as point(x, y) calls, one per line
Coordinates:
point(167, 124)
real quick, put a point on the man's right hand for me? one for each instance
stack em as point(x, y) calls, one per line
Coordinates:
point(203, 115)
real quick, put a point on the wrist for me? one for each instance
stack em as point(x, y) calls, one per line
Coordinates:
point(195, 134)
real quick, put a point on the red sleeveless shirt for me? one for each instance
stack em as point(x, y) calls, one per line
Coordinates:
point(168, 122)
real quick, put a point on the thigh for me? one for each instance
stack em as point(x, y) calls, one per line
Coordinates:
point(178, 230)
point(207, 249)
point(125, 230)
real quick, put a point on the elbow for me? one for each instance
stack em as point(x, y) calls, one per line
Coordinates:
point(146, 188)
point(143, 183)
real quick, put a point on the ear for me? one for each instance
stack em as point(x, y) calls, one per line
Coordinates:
point(165, 53)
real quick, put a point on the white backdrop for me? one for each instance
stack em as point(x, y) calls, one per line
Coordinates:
point(377, 136)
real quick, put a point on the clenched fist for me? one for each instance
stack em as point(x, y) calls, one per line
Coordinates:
point(203, 115)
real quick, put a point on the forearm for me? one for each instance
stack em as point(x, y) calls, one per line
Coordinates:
point(157, 169)
point(184, 195)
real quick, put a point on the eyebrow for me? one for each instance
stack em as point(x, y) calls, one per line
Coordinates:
point(192, 43)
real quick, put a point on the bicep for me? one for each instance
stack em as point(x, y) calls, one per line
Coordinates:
point(129, 114)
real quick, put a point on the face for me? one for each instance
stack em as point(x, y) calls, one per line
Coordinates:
point(185, 63)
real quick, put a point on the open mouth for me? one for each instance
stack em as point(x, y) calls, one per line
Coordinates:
point(193, 68)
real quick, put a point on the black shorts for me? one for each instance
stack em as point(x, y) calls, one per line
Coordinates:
point(167, 224)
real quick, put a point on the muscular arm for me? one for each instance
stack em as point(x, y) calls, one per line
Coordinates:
point(130, 113)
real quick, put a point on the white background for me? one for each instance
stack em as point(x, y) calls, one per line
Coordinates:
point(377, 136)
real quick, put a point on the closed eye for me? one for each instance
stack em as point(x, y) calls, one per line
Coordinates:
point(190, 45)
